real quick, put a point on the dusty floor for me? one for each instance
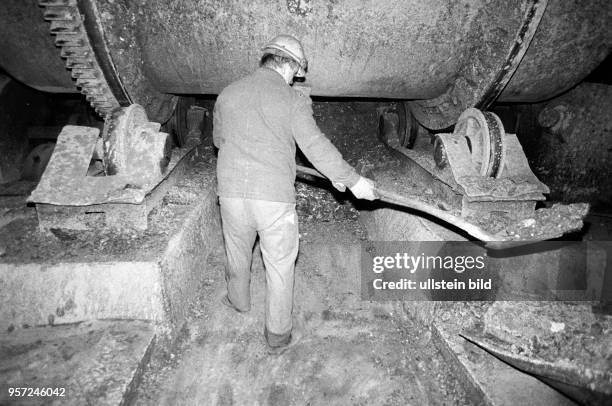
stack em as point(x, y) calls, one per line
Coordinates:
point(351, 352)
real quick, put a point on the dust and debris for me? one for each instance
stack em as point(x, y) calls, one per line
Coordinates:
point(318, 204)
point(397, 175)
point(529, 335)
point(299, 7)
point(556, 220)
point(553, 331)
point(502, 187)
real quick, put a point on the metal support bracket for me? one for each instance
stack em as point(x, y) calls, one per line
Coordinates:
point(66, 198)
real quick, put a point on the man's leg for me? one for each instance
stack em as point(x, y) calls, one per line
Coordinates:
point(279, 240)
point(239, 234)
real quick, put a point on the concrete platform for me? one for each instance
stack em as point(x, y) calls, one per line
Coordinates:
point(76, 276)
point(90, 363)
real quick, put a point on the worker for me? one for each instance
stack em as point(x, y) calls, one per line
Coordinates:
point(257, 122)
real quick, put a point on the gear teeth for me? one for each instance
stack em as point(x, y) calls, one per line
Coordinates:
point(68, 51)
point(65, 27)
point(102, 105)
point(59, 14)
point(92, 89)
point(69, 40)
point(86, 82)
point(79, 73)
point(70, 36)
point(77, 61)
point(91, 96)
point(52, 3)
point(82, 63)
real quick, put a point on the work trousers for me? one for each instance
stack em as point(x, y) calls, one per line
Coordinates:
point(277, 226)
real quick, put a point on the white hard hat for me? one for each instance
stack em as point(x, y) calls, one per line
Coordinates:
point(288, 46)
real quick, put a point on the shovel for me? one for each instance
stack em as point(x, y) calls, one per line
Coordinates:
point(491, 241)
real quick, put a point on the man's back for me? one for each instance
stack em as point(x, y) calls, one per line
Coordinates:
point(253, 133)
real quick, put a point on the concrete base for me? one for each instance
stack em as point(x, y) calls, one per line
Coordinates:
point(152, 276)
point(92, 363)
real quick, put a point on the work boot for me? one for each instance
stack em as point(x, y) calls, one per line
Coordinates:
point(277, 340)
point(225, 300)
point(279, 343)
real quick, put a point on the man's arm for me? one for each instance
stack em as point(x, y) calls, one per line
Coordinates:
point(217, 127)
point(318, 149)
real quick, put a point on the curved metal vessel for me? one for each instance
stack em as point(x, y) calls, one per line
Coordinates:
point(445, 52)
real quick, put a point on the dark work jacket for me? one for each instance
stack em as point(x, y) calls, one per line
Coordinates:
point(257, 122)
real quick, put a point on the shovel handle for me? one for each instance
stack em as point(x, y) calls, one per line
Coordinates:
point(404, 201)
point(492, 241)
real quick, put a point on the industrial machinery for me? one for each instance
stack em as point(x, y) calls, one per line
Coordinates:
point(436, 58)
point(476, 178)
point(137, 159)
point(442, 62)
point(444, 56)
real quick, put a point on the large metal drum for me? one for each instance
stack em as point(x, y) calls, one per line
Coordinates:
point(451, 54)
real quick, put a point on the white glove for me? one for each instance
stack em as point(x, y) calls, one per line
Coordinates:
point(364, 189)
point(339, 186)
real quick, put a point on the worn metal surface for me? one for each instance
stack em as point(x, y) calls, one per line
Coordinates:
point(483, 195)
point(65, 181)
point(92, 70)
point(405, 49)
point(473, 150)
point(69, 162)
point(134, 147)
point(504, 207)
point(118, 22)
point(482, 80)
point(117, 214)
point(412, 49)
point(482, 133)
point(396, 123)
point(138, 164)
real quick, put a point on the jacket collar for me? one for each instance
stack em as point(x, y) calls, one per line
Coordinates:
point(272, 74)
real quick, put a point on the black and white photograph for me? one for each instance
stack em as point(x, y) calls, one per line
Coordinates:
point(306, 202)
